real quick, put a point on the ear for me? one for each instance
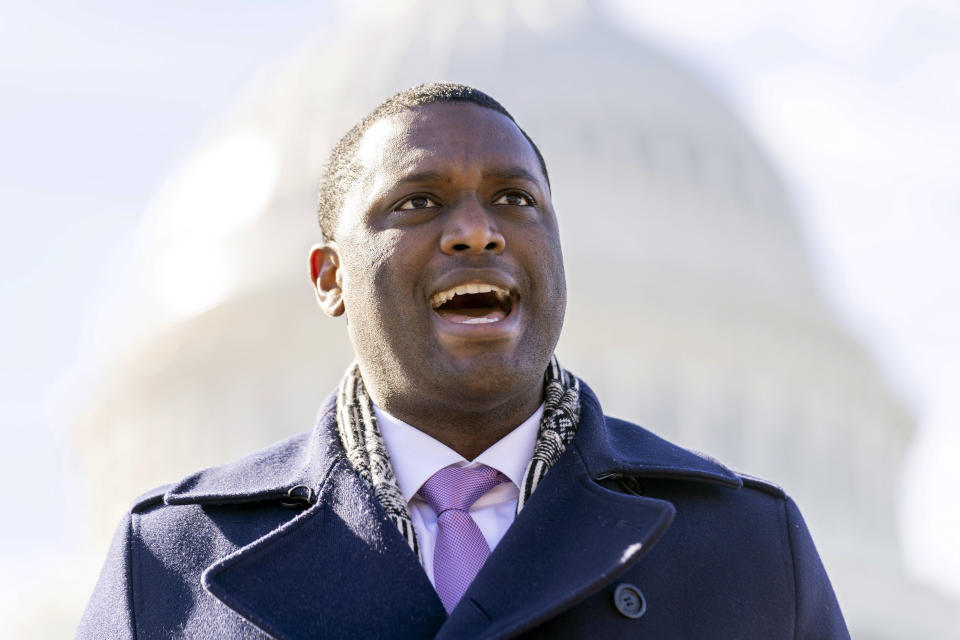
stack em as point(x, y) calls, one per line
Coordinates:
point(326, 279)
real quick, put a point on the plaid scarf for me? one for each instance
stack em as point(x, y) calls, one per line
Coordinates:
point(361, 438)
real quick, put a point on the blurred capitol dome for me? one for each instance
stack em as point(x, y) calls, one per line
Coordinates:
point(693, 308)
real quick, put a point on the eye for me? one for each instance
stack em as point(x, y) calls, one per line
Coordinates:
point(417, 202)
point(515, 199)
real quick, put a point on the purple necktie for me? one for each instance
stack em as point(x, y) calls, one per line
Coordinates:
point(461, 548)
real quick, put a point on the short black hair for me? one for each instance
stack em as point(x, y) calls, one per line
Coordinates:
point(341, 170)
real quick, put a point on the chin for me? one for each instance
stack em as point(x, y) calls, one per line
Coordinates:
point(489, 375)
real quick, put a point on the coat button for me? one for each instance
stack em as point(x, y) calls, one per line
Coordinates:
point(629, 600)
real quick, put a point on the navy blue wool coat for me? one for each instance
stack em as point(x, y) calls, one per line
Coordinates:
point(704, 552)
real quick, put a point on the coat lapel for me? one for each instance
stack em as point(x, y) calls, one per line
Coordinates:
point(339, 569)
point(574, 536)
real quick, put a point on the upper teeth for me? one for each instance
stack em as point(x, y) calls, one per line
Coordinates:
point(446, 295)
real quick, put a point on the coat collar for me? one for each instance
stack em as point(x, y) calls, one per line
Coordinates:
point(341, 566)
point(616, 448)
point(609, 447)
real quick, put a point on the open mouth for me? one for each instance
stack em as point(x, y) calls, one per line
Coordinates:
point(474, 303)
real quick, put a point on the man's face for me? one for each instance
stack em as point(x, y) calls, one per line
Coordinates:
point(448, 258)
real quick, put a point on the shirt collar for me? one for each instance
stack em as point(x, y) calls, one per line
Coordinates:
point(415, 456)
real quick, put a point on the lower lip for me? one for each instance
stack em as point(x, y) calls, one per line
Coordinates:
point(485, 331)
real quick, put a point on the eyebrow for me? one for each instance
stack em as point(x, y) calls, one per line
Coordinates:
point(424, 176)
point(512, 173)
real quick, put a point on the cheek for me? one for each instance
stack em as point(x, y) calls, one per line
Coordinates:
point(376, 276)
point(546, 260)
point(373, 250)
point(561, 277)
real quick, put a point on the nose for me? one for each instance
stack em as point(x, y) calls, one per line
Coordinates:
point(470, 229)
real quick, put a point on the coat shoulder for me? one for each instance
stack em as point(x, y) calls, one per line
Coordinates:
point(759, 484)
point(149, 498)
point(279, 473)
point(651, 455)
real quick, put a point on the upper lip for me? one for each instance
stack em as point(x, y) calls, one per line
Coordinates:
point(460, 277)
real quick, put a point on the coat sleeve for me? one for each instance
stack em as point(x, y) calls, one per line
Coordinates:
point(109, 614)
point(818, 613)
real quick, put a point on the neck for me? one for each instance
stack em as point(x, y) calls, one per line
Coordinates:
point(467, 428)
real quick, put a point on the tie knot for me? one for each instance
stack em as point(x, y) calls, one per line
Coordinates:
point(459, 487)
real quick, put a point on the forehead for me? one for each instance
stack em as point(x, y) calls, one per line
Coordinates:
point(443, 137)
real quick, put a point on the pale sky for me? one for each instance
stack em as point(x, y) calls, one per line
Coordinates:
point(856, 101)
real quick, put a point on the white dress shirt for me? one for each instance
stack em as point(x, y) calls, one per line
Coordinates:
point(416, 456)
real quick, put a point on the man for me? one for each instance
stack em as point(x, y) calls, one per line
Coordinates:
point(460, 483)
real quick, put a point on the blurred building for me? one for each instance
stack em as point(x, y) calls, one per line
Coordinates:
point(693, 305)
